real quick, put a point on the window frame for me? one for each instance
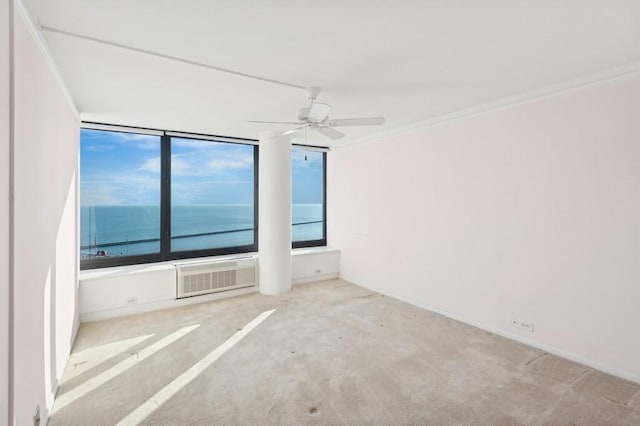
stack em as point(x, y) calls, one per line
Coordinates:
point(165, 253)
point(322, 241)
point(220, 251)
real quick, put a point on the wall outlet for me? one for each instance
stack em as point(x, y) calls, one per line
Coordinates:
point(133, 300)
point(526, 326)
point(318, 271)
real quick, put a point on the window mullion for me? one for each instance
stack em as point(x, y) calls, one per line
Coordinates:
point(256, 189)
point(165, 197)
point(324, 198)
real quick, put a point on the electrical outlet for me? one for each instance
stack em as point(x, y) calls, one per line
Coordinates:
point(133, 300)
point(318, 271)
point(526, 326)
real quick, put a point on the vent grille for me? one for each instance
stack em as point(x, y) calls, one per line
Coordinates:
point(198, 278)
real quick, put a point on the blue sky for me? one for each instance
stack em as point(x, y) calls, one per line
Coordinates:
point(124, 169)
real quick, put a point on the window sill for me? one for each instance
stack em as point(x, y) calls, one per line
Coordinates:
point(311, 250)
point(144, 268)
point(114, 271)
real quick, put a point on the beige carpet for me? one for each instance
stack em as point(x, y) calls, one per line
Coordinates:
point(331, 353)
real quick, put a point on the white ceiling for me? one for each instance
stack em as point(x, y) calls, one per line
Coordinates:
point(406, 60)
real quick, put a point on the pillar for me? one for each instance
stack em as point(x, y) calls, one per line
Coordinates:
point(274, 232)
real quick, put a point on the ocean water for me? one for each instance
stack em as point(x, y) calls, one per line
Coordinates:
point(131, 230)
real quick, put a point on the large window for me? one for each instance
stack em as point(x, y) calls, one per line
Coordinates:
point(119, 194)
point(212, 195)
point(158, 196)
point(308, 198)
point(151, 195)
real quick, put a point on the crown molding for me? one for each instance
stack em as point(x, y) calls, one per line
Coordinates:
point(506, 102)
point(33, 26)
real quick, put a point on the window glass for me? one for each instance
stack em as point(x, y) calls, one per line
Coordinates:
point(208, 196)
point(212, 195)
point(119, 194)
point(308, 195)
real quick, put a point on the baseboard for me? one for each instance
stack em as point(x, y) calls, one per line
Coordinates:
point(74, 333)
point(163, 304)
point(45, 416)
point(174, 303)
point(315, 278)
point(54, 392)
point(622, 374)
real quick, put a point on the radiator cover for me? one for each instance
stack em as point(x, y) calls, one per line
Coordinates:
point(204, 277)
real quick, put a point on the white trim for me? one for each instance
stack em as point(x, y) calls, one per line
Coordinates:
point(46, 413)
point(311, 147)
point(315, 278)
point(626, 375)
point(168, 57)
point(74, 336)
point(124, 129)
point(313, 250)
point(99, 273)
point(54, 392)
point(34, 28)
point(11, 203)
point(212, 138)
point(509, 101)
point(186, 135)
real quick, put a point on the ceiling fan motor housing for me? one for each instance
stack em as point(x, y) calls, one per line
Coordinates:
point(303, 114)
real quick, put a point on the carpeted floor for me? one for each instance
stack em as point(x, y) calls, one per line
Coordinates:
point(330, 353)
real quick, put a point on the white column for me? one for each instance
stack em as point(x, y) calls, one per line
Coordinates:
point(274, 233)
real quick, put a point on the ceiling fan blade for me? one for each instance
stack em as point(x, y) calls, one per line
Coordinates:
point(330, 132)
point(272, 122)
point(364, 121)
point(292, 131)
point(318, 111)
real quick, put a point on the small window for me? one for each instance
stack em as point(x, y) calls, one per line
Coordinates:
point(308, 198)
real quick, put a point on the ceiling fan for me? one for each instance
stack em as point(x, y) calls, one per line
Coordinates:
point(316, 117)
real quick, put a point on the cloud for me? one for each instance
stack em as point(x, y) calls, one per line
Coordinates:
point(143, 142)
point(191, 144)
point(98, 194)
point(232, 159)
point(100, 189)
point(227, 182)
point(151, 165)
point(112, 138)
point(128, 137)
point(211, 160)
point(231, 163)
point(202, 164)
point(202, 172)
point(184, 166)
point(95, 147)
point(207, 192)
point(148, 144)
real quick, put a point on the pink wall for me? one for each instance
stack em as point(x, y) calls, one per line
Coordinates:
point(531, 212)
point(46, 277)
point(5, 68)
